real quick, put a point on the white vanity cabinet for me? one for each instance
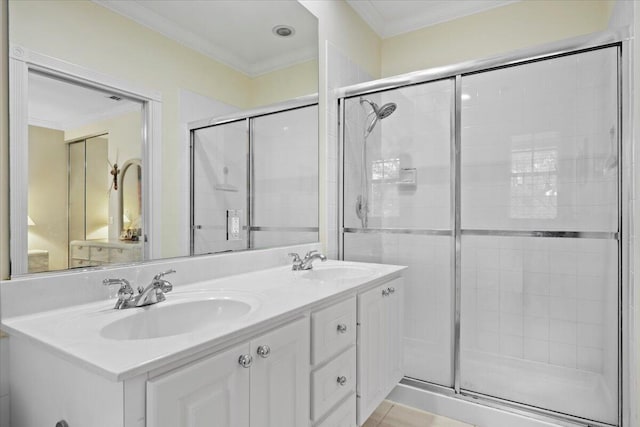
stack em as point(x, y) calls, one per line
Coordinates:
point(263, 383)
point(326, 360)
point(379, 345)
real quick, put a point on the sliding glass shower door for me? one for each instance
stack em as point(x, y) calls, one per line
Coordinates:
point(500, 190)
point(397, 209)
point(539, 207)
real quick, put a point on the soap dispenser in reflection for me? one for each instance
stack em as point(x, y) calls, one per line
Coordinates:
point(233, 224)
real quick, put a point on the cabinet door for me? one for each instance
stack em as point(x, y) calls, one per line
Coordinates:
point(280, 377)
point(372, 354)
point(210, 393)
point(380, 358)
point(396, 328)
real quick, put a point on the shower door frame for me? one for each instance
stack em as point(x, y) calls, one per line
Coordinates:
point(621, 41)
point(247, 116)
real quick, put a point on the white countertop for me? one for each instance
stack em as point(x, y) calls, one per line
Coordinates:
point(278, 293)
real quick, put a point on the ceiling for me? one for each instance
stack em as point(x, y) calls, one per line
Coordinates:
point(57, 104)
point(236, 33)
point(390, 18)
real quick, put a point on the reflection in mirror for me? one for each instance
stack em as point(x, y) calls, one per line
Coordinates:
point(130, 205)
point(255, 179)
point(191, 62)
point(77, 136)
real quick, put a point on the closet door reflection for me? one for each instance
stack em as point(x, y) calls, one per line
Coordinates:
point(539, 315)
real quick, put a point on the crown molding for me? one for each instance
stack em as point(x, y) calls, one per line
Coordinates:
point(436, 13)
point(160, 24)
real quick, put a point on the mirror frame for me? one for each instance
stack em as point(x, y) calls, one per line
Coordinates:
point(21, 61)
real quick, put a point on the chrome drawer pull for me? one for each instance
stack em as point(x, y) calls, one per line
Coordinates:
point(342, 328)
point(245, 360)
point(342, 380)
point(264, 351)
point(391, 290)
point(385, 292)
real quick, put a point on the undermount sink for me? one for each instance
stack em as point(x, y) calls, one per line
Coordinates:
point(165, 320)
point(334, 273)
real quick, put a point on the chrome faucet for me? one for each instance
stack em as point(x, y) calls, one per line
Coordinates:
point(307, 262)
point(152, 294)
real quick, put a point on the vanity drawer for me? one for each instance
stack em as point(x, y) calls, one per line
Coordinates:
point(124, 255)
point(343, 416)
point(76, 263)
point(80, 251)
point(99, 253)
point(332, 330)
point(326, 387)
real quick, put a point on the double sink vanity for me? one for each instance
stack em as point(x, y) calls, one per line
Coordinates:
point(275, 347)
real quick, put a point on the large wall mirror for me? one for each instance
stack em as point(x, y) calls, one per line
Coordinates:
point(106, 169)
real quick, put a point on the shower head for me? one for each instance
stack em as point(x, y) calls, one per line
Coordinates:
point(379, 113)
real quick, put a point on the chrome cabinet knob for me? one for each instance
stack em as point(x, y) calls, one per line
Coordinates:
point(385, 292)
point(342, 328)
point(264, 351)
point(245, 360)
point(62, 423)
point(391, 290)
point(342, 380)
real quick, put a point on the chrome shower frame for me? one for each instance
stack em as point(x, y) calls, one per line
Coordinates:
point(620, 39)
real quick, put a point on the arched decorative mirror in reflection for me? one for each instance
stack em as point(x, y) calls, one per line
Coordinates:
point(130, 201)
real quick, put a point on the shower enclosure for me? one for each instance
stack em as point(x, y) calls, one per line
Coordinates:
point(500, 188)
point(254, 178)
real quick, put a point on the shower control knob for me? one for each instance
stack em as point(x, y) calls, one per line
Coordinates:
point(245, 360)
point(342, 328)
point(342, 380)
point(264, 351)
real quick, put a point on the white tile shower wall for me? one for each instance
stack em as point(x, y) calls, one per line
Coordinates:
point(51, 291)
point(193, 107)
point(539, 145)
point(286, 172)
point(340, 71)
point(428, 296)
point(413, 142)
point(541, 299)
point(220, 174)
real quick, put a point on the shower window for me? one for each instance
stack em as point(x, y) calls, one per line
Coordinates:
point(534, 183)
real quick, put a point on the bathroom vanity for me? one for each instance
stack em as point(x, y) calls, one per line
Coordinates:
point(275, 347)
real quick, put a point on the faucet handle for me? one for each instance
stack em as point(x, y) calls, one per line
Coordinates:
point(164, 273)
point(121, 282)
point(296, 257)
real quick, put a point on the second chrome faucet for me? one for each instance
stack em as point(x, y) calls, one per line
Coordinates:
point(152, 294)
point(307, 262)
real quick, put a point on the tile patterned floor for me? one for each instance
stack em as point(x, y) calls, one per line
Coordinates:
point(391, 414)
